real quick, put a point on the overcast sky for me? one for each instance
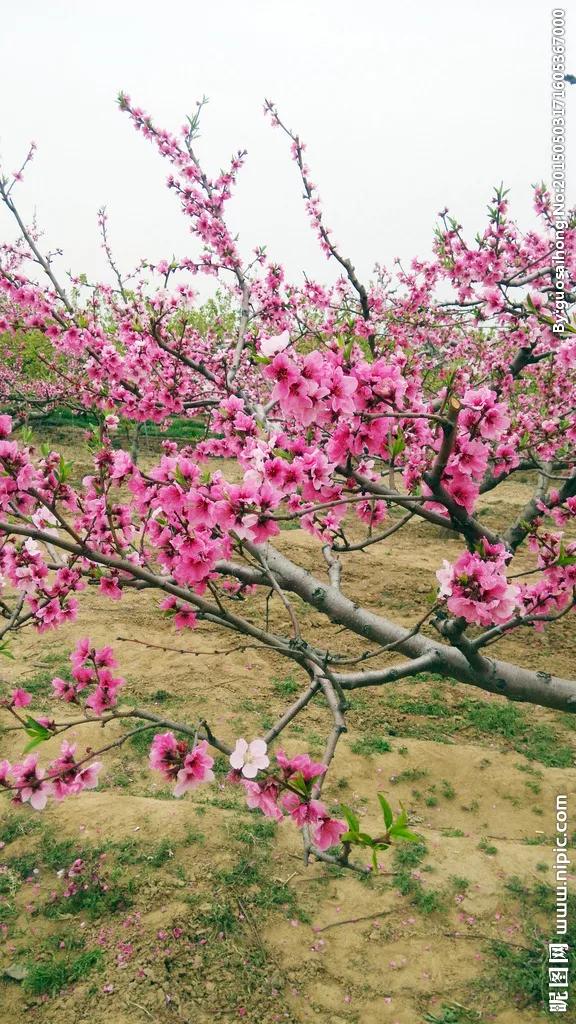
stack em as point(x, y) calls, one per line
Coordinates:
point(406, 108)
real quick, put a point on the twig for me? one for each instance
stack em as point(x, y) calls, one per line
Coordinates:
point(355, 920)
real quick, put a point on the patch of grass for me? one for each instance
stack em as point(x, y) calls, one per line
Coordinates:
point(542, 745)
point(540, 898)
point(221, 916)
point(315, 743)
point(7, 912)
point(225, 803)
point(122, 780)
point(410, 855)
point(429, 708)
point(141, 741)
point(65, 940)
point(16, 826)
point(496, 719)
point(459, 884)
point(161, 854)
point(536, 742)
point(259, 830)
point(23, 865)
point(529, 769)
point(277, 894)
point(487, 848)
point(285, 687)
point(162, 696)
point(409, 775)
point(49, 977)
point(520, 972)
point(537, 841)
point(129, 852)
point(193, 836)
point(96, 891)
point(369, 745)
point(10, 882)
point(244, 873)
point(516, 887)
point(453, 1013)
point(534, 787)
point(448, 791)
point(58, 854)
point(93, 901)
point(406, 859)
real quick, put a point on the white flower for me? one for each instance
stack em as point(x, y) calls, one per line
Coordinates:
point(249, 758)
point(270, 346)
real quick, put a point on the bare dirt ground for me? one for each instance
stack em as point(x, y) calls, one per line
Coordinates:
point(209, 913)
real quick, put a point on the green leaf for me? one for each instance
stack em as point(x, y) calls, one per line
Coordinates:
point(348, 837)
point(351, 819)
point(401, 820)
point(398, 445)
point(386, 810)
point(64, 470)
point(360, 839)
point(180, 478)
point(404, 833)
point(38, 733)
point(366, 350)
point(298, 782)
point(565, 559)
point(5, 650)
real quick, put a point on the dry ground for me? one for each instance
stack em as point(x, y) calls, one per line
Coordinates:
point(209, 912)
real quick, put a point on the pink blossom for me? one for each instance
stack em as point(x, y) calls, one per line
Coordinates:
point(302, 812)
point(301, 764)
point(65, 690)
point(264, 796)
point(477, 590)
point(109, 587)
point(30, 783)
point(20, 698)
point(328, 832)
point(249, 758)
point(167, 755)
point(5, 426)
point(272, 345)
point(197, 768)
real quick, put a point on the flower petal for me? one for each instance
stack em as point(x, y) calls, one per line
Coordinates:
point(258, 747)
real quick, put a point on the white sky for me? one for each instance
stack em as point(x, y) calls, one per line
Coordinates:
point(405, 108)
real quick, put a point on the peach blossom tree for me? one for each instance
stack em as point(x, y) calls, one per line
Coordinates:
point(350, 410)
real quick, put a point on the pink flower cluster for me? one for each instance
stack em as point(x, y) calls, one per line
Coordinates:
point(475, 587)
point(91, 667)
point(63, 777)
point(178, 762)
point(286, 789)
